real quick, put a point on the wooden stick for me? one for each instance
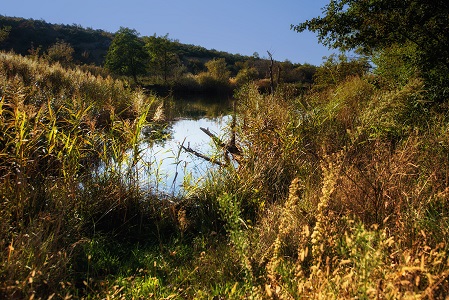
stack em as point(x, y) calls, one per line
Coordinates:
point(190, 150)
point(216, 140)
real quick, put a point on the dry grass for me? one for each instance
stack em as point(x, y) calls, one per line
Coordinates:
point(339, 194)
point(57, 126)
point(379, 160)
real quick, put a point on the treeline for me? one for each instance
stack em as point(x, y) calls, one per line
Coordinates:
point(163, 62)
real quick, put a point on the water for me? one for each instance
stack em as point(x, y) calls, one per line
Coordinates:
point(165, 168)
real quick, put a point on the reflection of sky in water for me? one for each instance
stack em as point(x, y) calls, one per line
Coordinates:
point(168, 166)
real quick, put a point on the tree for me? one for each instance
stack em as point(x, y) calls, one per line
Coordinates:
point(375, 25)
point(4, 33)
point(218, 70)
point(61, 52)
point(162, 55)
point(245, 75)
point(126, 55)
point(216, 79)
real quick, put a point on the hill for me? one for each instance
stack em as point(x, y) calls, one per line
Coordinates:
point(90, 45)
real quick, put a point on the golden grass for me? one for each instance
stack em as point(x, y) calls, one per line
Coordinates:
point(57, 125)
point(340, 194)
point(367, 187)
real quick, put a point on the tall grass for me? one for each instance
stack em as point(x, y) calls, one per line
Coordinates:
point(356, 178)
point(57, 126)
point(339, 193)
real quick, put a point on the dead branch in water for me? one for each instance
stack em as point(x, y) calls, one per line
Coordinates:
point(228, 148)
point(216, 139)
point(196, 153)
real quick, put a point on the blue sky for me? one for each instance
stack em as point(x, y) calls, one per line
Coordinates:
point(244, 26)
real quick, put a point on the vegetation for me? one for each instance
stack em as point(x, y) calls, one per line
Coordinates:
point(337, 192)
point(164, 65)
point(126, 55)
point(376, 25)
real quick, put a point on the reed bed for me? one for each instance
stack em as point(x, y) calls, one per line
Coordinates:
point(58, 128)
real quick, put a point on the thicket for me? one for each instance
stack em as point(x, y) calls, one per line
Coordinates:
point(340, 193)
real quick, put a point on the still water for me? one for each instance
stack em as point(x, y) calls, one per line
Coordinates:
point(165, 168)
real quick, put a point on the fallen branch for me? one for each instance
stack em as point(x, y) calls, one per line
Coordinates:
point(229, 147)
point(190, 150)
point(216, 139)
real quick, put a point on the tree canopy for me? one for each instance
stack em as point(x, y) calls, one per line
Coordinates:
point(126, 55)
point(162, 54)
point(373, 25)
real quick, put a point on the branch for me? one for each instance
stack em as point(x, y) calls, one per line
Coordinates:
point(216, 140)
point(190, 150)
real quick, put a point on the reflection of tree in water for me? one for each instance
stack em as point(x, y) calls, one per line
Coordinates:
point(189, 108)
point(195, 108)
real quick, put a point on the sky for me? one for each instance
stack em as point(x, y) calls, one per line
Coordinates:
point(235, 26)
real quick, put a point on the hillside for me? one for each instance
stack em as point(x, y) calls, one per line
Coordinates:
point(28, 33)
point(90, 45)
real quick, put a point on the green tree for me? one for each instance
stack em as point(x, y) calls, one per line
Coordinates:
point(218, 70)
point(375, 25)
point(4, 33)
point(396, 65)
point(61, 52)
point(126, 55)
point(163, 58)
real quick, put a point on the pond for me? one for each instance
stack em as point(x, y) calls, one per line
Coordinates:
point(164, 167)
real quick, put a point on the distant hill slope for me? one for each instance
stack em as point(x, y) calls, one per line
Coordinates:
point(90, 45)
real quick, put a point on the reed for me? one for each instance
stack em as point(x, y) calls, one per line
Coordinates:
point(338, 193)
point(58, 126)
point(364, 188)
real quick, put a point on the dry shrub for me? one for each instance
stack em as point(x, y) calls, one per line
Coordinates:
point(271, 152)
point(378, 227)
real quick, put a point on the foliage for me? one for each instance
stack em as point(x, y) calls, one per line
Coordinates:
point(27, 32)
point(217, 69)
point(361, 164)
point(336, 69)
point(216, 79)
point(163, 57)
point(126, 55)
point(338, 192)
point(246, 75)
point(58, 125)
point(4, 33)
point(61, 52)
point(396, 65)
point(379, 24)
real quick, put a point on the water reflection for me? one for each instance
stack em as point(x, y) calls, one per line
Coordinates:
point(168, 167)
point(195, 108)
point(165, 168)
